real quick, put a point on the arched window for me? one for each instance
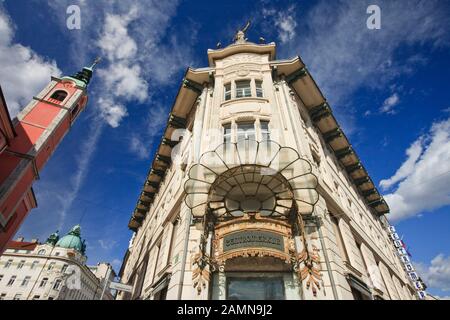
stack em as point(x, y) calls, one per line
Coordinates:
point(59, 95)
point(41, 252)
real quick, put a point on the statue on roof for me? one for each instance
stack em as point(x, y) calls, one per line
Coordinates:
point(239, 37)
point(53, 238)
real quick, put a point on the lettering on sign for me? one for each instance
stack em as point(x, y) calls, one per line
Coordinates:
point(252, 239)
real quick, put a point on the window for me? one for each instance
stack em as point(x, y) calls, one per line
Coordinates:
point(8, 264)
point(25, 281)
point(41, 252)
point(11, 281)
point(18, 296)
point(36, 297)
point(243, 89)
point(1, 277)
point(43, 283)
point(51, 266)
point(57, 284)
point(59, 95)
point(259, 90)
point(246, 130)
point(64, 268)
point(227, 133)
point(57, 253)
point(255, 288)
point(227, 95)
point(2, 296)
point(175, 225)
point(265, 134)
point(339, 238)
point(21, 264)
point(34, 264)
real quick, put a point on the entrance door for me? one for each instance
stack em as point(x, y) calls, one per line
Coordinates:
point(255, 288)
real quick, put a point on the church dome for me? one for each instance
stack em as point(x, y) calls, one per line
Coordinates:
point(72, 240)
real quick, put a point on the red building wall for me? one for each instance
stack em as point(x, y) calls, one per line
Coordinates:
point(34, 136)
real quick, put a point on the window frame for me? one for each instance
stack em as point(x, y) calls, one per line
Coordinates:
point(227, 93)
point(259, 89)
point(11, 281)
point(242, 90)
point(60, 92)
point(43, 283)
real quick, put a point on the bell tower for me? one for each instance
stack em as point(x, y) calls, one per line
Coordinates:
point(37, 131)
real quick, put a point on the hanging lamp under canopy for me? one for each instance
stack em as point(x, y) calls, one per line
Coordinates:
point(251, 176)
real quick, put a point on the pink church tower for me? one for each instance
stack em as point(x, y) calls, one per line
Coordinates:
point(28, 141)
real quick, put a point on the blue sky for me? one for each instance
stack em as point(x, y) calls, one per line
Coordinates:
point(389, 89)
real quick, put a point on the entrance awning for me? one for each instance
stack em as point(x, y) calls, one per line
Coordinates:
point(251, 176)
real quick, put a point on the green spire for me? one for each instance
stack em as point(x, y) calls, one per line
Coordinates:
point(53, 238)
point(83, 77)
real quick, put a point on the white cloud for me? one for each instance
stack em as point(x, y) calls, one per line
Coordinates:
point(284, 21)
point(436, 275)
point(107, 244)
point(122, 78)
point(23, 72)
point(138, 147)
point(344, 56)
point(135, 41)
point(111, 111)
point(407, 168)
point(390, 103)
point(424, 178)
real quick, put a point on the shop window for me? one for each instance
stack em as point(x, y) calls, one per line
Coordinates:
point(255, 288)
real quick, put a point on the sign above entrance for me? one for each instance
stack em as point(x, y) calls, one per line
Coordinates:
point(252, 239)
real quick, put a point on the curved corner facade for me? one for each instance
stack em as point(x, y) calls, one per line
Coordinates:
point(256, 193)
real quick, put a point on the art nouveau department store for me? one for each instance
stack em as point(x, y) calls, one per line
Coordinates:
point(256, 192)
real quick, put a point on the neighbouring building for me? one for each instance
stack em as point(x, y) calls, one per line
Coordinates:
point(54, 270)
point(255, 192)
point(28, 141)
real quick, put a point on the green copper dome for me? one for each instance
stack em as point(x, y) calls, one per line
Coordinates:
point(72, 240)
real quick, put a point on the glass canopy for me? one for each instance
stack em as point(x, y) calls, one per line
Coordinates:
point(251, 176)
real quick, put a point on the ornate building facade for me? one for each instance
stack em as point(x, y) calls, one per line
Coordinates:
point(255, 192)
point(55, 270)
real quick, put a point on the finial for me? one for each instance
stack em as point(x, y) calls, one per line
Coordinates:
point(96, 61)
point(218, 45)
point(262, 40)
